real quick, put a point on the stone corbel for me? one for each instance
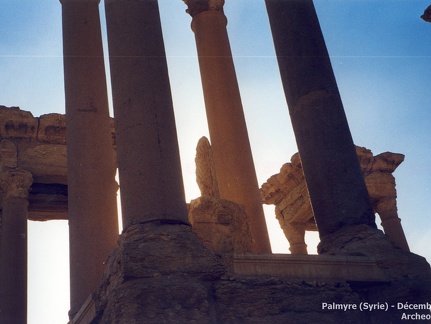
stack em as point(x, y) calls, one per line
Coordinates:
point(195, 7)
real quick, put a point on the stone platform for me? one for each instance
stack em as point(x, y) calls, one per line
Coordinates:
point(295, 268)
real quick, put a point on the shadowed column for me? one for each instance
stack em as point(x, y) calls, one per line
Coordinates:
point(233, 159)
point(14, 185)
point(92, 190)
point(147, 146)
point(334, 179)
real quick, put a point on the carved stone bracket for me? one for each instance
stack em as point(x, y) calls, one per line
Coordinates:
point(15, 183)
point(195, 7)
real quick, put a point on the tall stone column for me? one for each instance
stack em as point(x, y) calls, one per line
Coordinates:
point(15, 185)
point(147, 147)
point(334, 179)
point(92, 190)
point(233, 159)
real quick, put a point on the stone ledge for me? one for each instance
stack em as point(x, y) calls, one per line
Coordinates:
point(86, 314)
point(309, 267)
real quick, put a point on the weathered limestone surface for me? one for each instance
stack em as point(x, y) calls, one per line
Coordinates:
point(35, 144)
point(287, 190)
point(38, 145)
point(205, 169)
point(161, 273)
point(52, 129)
point(47, 163)
point(16, 123)
point(221, 225)
point(409, 274)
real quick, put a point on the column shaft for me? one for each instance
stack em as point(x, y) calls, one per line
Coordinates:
point(331, 168)
point(387, 210)
point(147, 146)
point(13, 246)
point(92, 190)
point(233, 159)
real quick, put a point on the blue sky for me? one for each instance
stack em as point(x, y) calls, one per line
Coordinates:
point(381, 55)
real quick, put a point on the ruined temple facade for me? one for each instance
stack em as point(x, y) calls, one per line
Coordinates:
point(160, 269)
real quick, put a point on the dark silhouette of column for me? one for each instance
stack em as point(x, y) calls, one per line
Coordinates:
point(92, 190)
point(147, 146)
point(14, 185)
point(233, 159)
point(334, 179)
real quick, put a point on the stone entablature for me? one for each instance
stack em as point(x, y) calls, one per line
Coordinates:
point(38, 145)
point(287, 190)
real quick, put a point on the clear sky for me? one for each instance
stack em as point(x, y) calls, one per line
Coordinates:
point(381, 55)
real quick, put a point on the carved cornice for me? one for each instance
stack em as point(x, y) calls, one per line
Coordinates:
point(15, 183)
point(195, 7)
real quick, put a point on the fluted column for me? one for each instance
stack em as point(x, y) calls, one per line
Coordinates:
point(334, 179)
point(147, 146)
point(233, 159)
point(15, 185)
point(92, 190)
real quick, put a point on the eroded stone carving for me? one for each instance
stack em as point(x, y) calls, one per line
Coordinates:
point(287, 190)
point(52, 129)
point(15, 183)
point(16, 123)
point(205, 169)
point(195, 7)
point(221, 225)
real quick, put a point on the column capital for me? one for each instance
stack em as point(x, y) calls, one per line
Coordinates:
point(15, 183)
point(195, 7)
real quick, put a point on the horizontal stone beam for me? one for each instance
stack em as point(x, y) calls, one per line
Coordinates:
point(309, 267)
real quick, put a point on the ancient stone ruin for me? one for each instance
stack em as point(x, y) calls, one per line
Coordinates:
point(161, 269)
point(287, 190)
point(221, 225)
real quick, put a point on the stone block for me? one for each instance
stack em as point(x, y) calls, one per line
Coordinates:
point(52, 129)
point(47, 163)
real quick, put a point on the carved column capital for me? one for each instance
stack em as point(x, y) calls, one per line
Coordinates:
point(195, 7)
point(15, 183)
